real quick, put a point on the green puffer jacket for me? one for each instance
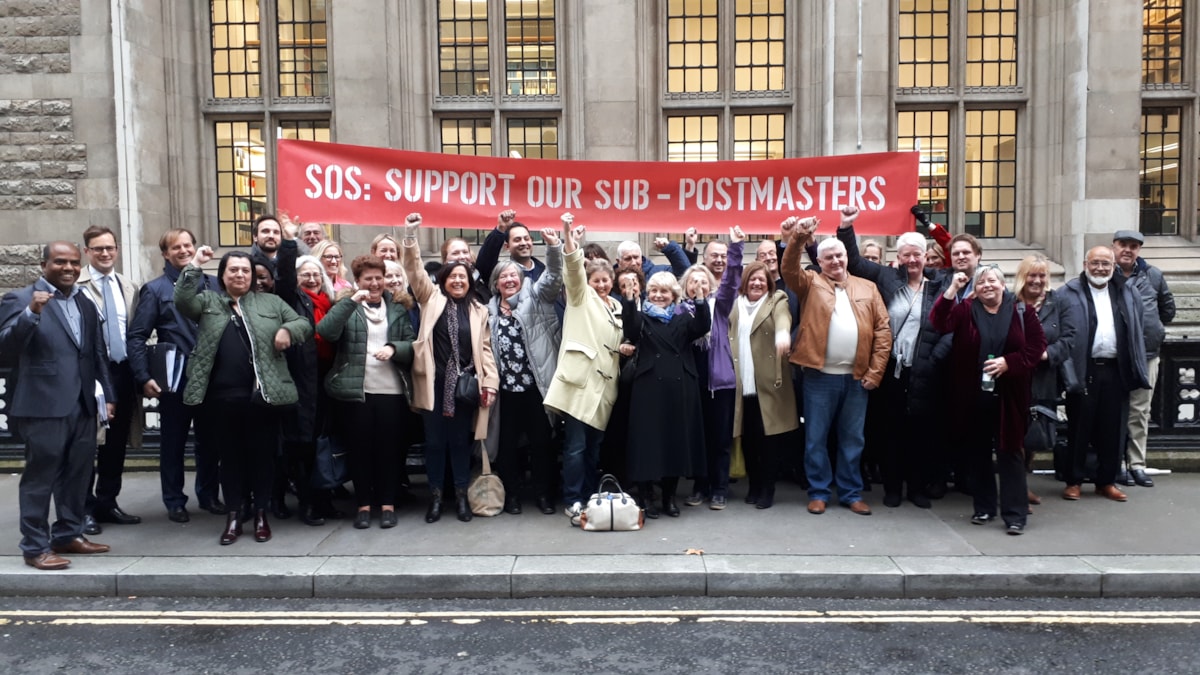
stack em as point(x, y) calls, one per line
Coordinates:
point(264, 314)
point(345, 326)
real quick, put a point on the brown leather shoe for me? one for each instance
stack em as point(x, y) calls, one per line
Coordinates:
point(816, 507)
point(860, 507)
point(1032, 498)
point(1071, 492)
point(80, 546)
point(47, 561)
point(1111, 492)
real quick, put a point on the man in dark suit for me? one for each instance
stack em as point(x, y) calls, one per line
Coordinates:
point(113, 295)
point(155, 313)
point(53, 337)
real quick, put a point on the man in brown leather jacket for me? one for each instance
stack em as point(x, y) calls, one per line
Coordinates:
point(842, 345)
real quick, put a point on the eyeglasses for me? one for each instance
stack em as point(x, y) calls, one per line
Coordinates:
point(102, 249)
point(331, 257)
point(1102, 264)
point(309, 275)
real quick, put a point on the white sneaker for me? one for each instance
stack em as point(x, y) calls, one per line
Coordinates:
point(573, 512)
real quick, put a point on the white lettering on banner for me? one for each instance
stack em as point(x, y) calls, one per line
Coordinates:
point(418, 185)
point(764, 194)
point(835, 192)
point(333, 182)
point(554, 192)
point(627, 195)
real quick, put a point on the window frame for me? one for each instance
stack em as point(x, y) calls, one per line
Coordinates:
point(269, 109)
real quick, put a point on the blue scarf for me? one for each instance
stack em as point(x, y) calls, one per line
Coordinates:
point(655, 312)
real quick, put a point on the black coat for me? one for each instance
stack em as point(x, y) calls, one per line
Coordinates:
point(1060, 335)
point(300, 420)
point(666, 424)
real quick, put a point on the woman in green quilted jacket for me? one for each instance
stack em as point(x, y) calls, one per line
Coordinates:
point(239, 375)
point(370, 383)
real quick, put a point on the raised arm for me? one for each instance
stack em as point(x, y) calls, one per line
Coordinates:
point(797, 233)
point(410, 259)
point(187, 295)
point(549, 285)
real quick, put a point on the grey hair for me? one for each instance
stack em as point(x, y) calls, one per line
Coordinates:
point(911, 239)
point(494, 282)
point(326, 286)
point(986, 269)
point(628, 246)
point(828, 243)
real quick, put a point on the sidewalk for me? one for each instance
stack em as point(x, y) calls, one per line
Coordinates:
point(1093, 547)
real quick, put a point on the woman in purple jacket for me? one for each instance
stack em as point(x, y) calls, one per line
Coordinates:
point(714, 364)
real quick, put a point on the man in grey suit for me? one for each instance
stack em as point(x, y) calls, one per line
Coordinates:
point(51, 335)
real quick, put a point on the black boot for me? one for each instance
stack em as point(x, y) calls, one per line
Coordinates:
point(461, 505)
point(669, 507)
point(766, 497)
point(646, 496)
point(435, 506)
point(309, 515)
point(262, 529)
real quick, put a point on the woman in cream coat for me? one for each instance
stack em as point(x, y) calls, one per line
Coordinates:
point(585, 384)
point(448, 423)
point(765, 404)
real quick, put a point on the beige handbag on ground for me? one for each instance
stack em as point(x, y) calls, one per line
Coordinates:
point(611, 510)
point(486, 493)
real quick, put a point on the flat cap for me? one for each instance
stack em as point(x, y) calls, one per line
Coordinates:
point(1131, 235)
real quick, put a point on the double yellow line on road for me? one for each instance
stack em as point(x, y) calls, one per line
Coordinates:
point(617, 617)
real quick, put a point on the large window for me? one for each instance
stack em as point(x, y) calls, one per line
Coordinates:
point(1159, 172)
point(512, 42)
point(983, 33)
point(727, 58)
point(1162, 42)
point(958, 102)
point(269, 71)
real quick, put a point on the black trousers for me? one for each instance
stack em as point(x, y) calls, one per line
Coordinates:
point(1096, 419)
point(907, 456)
point(982, 441)
point(717, 407)
point(110, 457)
point(175, 419)
point(371, 432)
point(523, 412)
point(760, 451)
point(247, 437)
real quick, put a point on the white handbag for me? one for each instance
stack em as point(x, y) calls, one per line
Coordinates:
point(611, 510)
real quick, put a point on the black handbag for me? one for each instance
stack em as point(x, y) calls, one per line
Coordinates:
point(629, 370)
point(1043, 429)
point(1070, 380)
point(466, 390)
point(329, 468)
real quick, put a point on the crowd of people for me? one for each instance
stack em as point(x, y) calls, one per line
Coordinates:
point(572, 366)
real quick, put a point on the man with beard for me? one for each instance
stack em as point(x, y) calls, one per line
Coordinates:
point(516, 238)
point(1159, 306)
point(1109, 356)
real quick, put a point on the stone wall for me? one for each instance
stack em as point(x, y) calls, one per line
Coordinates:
point(20, 265)
point(39, 158)
point(35, 35)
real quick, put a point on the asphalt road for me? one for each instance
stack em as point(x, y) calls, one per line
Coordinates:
point(663, 635)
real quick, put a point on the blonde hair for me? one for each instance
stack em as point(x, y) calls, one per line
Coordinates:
point(1029, 264)
point(319, 250)
point(668, 281)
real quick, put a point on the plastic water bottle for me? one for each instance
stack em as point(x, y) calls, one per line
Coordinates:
point(987, 382)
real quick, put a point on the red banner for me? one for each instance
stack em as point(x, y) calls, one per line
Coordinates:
point(358, 185)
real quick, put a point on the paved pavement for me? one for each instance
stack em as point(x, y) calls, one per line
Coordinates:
point(1090, 548)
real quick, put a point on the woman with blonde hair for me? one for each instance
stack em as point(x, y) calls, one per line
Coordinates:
point(666, 440)
point(384, 246)
point(1033, 288)
point(330, 255)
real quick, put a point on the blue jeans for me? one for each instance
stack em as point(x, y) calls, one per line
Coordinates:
point(833, 401)
point(581, 452)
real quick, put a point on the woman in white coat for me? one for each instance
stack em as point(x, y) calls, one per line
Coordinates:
point(585, 384)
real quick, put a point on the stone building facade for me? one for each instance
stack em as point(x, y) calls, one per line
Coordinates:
point(1032, 117)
